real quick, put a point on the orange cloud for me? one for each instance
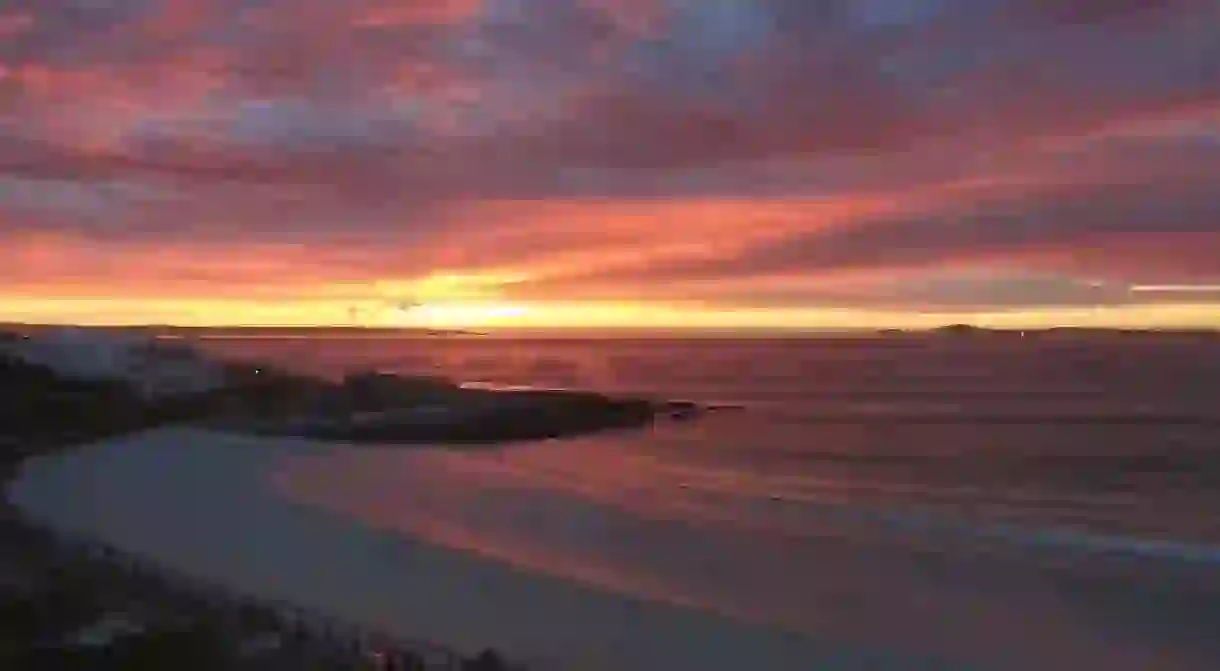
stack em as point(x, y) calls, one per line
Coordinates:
point(624, 155)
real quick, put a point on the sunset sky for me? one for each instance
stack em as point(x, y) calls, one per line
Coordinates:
point(775, 163)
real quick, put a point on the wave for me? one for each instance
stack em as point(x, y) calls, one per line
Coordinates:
point(1195, 462)
point(1105, 544)
point(804, 507)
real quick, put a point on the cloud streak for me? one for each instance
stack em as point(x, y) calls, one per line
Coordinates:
point(736, 153)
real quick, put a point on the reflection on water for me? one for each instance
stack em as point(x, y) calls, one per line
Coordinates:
point(935, 491)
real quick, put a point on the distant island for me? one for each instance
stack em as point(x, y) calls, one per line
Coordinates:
point(159, 331)
point(972, 331)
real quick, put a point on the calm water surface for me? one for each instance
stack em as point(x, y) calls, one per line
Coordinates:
point(1051, 501)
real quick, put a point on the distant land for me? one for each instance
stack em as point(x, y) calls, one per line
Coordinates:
point(949, 330)
point(188, 332)
point(967, 330)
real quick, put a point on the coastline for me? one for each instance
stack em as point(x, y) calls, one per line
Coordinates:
point(92, 581)
point(527, 513)
point(216, 517)
point(63, 418)
point(203, 504)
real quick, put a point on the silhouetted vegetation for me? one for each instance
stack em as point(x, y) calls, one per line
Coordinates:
point(39, 408)
point(472, 415)
point(51, 592)
point(488, 660)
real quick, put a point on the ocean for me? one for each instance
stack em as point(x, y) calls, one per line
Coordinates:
point(1006, 503)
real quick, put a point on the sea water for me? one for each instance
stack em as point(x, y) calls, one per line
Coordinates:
point(996, 502)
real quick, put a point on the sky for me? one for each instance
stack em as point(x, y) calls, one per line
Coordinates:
point(727, 163)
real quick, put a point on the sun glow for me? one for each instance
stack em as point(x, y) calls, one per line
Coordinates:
point(509, 314)
point(457, 314)
point(446, 288)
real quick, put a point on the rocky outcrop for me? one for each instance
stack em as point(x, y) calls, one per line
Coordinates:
point(400, 409)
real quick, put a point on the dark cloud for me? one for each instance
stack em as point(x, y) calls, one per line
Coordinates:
point(1092, 12)
point(561, 83)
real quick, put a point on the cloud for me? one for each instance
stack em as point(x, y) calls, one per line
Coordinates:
point(965, 289)
point(1154, 219)
point(558, 84)
point(561, 138)
point(1094, 12)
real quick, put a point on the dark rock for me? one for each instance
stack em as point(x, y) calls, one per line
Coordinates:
point(684, 410)
point(488, 660)
point(374, 389)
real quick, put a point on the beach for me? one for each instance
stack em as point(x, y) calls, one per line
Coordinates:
point(207, 505)
point(609, 335)
point(966, 508)
point(199, 502)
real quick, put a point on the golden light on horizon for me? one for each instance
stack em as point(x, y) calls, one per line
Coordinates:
point(455, 314)
point(446, 287)
point(567, 314)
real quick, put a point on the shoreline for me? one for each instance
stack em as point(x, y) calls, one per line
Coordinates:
point(194, 598)
point(57, 417)
point(114, 583)
point(218, 518)
point(362, 408)
point(219, 521)
point(530, 525)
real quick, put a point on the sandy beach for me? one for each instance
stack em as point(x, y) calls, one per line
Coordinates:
point(212, 506)
point(200, 502)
